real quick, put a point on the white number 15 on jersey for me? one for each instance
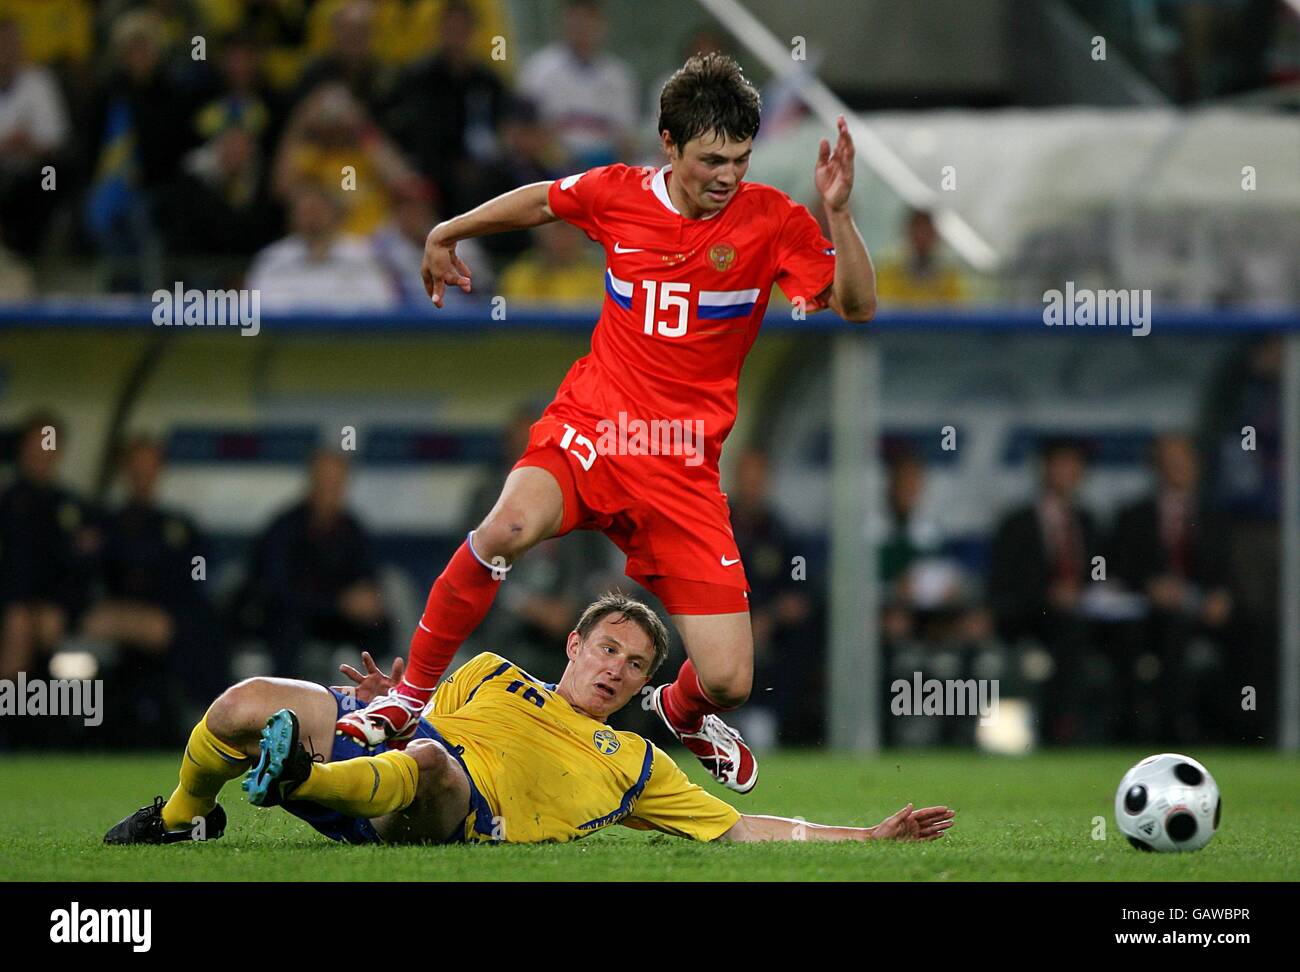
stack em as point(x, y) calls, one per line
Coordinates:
point(670, 296)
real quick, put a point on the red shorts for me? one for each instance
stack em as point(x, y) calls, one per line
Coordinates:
point(675, 531)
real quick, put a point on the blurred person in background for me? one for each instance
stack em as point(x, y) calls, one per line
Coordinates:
point(1171, 548)
point(49, 539)
point(1040, 564)
point(399, 246)
point(331, 139)
point(930, 620)
point(528, 153)
point(279, 30)
point(587, 95)
point(140, 130)
point(313, 576)
point(220, 205)
point(241, 97)
point(317, 265)
point(789, 663)
point(1241, 430)
point(59, 34)
point(560, 269)
point(34, 132)
point(350, 59)
point(919, 274)
point(448, 108)
point(154, 609)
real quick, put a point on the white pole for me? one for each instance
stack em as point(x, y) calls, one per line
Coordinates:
point(853, 663)
point(871, 148)
point(1289, 601)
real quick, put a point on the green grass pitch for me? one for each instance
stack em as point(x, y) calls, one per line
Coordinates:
point(1018, 819)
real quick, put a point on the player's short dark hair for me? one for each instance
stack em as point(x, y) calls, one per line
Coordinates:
point(616, 602)
point(709, 93)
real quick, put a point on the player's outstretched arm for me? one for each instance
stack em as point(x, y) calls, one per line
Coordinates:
point(853, 291)
point(907, 824)
point(521, 208)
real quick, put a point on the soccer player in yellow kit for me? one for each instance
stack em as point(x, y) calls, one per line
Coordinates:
point(499, 756)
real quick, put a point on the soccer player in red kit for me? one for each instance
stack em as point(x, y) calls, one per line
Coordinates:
point(692, 252)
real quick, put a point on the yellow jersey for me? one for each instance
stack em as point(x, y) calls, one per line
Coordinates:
point(542, 771)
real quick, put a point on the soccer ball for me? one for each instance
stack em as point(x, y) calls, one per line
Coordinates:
point(1168, 802)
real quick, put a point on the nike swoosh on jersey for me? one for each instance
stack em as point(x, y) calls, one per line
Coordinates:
point(730, 563)
point(620, 248)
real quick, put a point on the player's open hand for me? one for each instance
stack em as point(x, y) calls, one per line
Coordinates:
point(833, 173)
point(909, 824)
point(441, 266)
point(373, 683)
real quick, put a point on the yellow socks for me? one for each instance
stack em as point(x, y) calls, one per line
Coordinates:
point(208, 765)
point(366, 786)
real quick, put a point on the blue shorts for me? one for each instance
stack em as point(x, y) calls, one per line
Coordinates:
point(358, 830)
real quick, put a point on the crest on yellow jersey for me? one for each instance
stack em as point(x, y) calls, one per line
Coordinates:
point(606, 741)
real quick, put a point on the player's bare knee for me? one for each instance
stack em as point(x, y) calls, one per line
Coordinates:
point(440, 774)
point(728, 689)
point(507, 532)
point(240, 710)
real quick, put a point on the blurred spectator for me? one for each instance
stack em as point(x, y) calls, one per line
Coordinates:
point(546, 590)
point(1170, 547)
point(587, 95)
point(350, 59)
point(313, 576)
point(1039, 565)
point(1242, 431)
point(48, 542)
point(242, 99)
point(318, 266)
point(918, 275)
point(399, 249)
point(141, 130)
point(926, 593)
point(33, 133)
point(929, 618)
point(559, 270)
point(330, 139)
point(528, 154)
point(154, 610)
point(278, 28)
point(448, 109)
point(17, 282)
point(786, 704)
point(56, 33)
point(221, 205)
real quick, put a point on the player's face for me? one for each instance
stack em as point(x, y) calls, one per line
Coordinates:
point(608, 667)
point(709, 170)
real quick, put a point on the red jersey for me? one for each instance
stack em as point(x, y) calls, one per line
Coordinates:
point(684, 298)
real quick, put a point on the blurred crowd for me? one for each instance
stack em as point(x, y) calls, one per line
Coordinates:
point(1160, 625)
point(305, 148)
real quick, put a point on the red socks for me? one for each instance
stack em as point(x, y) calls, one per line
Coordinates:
point(685, 703)
point(459, 601)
